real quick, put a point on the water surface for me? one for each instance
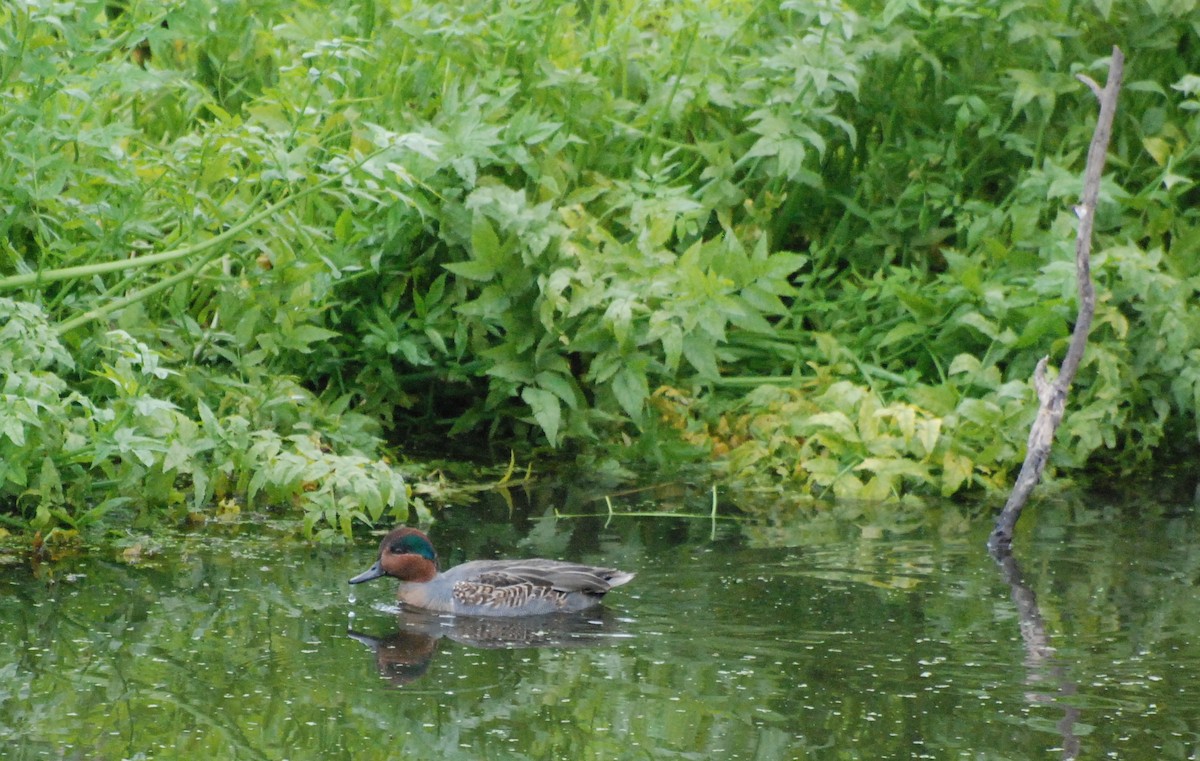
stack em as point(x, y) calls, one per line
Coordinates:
point(851, 631)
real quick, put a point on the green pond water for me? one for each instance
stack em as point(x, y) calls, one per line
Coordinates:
point(858, 631)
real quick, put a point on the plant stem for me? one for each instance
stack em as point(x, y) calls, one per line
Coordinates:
point(136, 296)
point(88, 270)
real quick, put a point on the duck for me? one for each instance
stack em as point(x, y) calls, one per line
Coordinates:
point(487, 587)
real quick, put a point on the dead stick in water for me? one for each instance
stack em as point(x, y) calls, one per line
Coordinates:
point(1053, 395)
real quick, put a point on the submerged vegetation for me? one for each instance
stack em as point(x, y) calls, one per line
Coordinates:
point(249, 246)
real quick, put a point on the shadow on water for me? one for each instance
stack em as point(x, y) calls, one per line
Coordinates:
point(404, 656)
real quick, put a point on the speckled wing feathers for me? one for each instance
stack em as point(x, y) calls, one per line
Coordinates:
point(515, 583)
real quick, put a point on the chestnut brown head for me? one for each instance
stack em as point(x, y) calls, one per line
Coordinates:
point(406, 554)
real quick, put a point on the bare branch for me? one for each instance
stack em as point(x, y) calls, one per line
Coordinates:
point(1053, 395)
point(1096, 89)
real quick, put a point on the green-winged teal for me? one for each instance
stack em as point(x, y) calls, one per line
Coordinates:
point(487, 587)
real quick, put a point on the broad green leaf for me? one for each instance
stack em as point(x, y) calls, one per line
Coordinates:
point(964, 363)
point(201, 494)
point(835, 421)
point(903, 417)
point(671, 337)
point(546, 411)
point(979, 322)
point(491, 304)
point(631, 389)
point(1189, 84)
point(880, 487)
point(303, 336)
point(744, 316)
point(699, 352)
point(620, 316)
point(922, 307)
point(437, 290)
point(49, 484)
point(1043, 322)
point(848, 486)
point(178, 457)
point(900, 332)
point(343, 226)
point(12, 427)
point(485, 245)
point(604, 366)
point(763, 300)
point(474, 269)
point(894, 466)
point(248, 326)
point(929, 431)
point(560, 385)
point(208, 419)
point(956, 471)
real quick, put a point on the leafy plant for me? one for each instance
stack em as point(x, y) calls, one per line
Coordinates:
point(245, 245)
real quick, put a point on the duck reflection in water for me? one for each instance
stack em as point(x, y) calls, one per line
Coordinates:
point(493, 604)
point(404, 656)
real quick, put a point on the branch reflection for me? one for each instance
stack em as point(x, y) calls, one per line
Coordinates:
point(1042, 668)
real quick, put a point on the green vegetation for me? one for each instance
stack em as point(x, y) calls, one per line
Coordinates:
point(823, 244)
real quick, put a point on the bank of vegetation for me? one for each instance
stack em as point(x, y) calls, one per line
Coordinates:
point(252, 250)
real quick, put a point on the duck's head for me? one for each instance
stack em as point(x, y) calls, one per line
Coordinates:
point(406, 554)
